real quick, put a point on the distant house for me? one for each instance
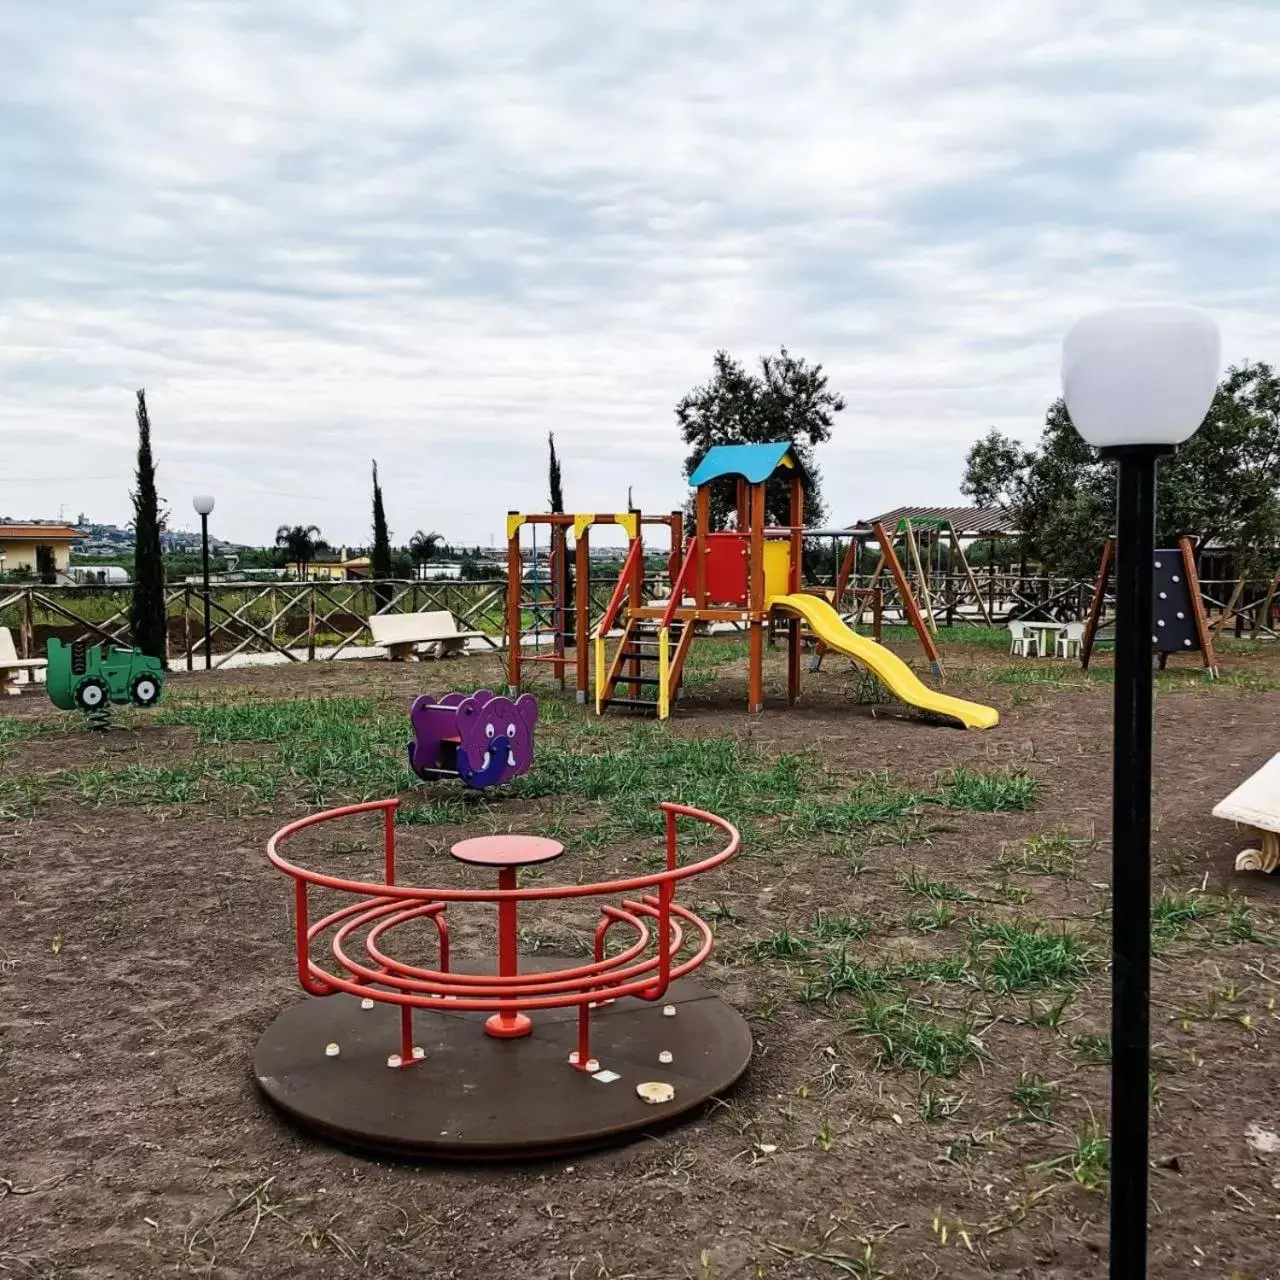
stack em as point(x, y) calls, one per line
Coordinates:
point(342, 569)
point(40, 548)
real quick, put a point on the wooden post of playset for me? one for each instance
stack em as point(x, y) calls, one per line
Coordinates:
point(582, 605)
point(557, 581)
point(909, 606)
point(515, 596)
point(702, 528)
point(675, 557)
point(756, 611)
point(795, 578)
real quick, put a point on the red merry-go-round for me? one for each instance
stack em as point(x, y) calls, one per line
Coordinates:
point(515, 1056)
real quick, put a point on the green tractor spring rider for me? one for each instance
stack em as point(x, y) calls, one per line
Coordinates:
point(81, 677)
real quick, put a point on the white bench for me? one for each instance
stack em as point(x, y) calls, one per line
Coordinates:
point(1255, 805)
point(11, 664)
point(402, 634)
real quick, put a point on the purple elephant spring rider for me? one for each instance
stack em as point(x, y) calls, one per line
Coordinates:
point(482, 738)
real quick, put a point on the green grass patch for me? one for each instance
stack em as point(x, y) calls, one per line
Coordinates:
point(1034, 1097)
point(996, 638)
point(838, 928)
point(142, 784)
point(1051, 853)
point(939, 916)
point(20, 797)
point(26, 728)
point(303, 719)
point(1034, 676)
point(782, 945)
point(1094, 1046)
point(905, 1040)
point(940, 969)
point(1017, 957)
point(919, 883)
point(723, 775)
point(994, 791)
point(1087, 1162)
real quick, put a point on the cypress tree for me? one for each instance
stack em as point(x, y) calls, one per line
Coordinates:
point(380, 558)
point(562, 569)
point(557, 494)
point(146, 614)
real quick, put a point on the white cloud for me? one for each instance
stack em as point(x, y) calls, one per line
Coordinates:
point(322, 232)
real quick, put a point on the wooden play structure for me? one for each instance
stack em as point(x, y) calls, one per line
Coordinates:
point(559, 607)
point(1178, 621)
point(750, 576)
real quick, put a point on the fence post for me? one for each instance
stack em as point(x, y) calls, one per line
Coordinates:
point(186, 624)
point(311, 623)
point(28, 625)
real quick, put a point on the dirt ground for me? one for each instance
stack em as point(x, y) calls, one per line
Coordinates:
point(144, 948)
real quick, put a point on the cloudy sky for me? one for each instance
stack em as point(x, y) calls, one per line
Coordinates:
point(322, 231)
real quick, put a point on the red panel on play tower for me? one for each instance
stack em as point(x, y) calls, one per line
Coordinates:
point(727, 568)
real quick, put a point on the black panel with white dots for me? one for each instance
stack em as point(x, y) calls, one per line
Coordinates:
point(1173, 623)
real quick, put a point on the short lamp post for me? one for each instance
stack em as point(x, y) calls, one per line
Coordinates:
point(203, 504)
point(1137, 382)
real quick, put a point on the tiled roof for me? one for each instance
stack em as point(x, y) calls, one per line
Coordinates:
point(966, 521)
point(14, 531)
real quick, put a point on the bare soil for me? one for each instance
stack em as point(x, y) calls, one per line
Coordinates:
point(143, 951)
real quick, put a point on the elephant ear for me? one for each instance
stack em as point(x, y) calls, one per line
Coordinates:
point(527, 709)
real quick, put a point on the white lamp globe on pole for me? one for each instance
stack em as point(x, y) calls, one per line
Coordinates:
point(203, 503)
point(1137, 382)
point(1140, 375)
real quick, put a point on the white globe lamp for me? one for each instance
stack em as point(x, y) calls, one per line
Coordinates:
point(1137, 382)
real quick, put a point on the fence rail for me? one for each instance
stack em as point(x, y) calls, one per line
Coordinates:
point(321, 621)
point(297, 621)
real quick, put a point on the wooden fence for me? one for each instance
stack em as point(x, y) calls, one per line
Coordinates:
point(321, 621)
point(298, 621)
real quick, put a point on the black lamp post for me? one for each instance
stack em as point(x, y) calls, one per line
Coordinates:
point(203, 504)
point(1137, 382)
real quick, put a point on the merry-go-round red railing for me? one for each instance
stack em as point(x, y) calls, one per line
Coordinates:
point(669, 940)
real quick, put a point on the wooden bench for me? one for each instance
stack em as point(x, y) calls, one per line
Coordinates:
point(403, 634)
point(11, 664)
point(1255, 805)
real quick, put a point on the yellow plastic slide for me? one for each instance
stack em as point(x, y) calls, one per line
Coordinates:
point(901, 681)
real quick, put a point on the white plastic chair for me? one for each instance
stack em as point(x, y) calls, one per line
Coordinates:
point(1022, 643)
point(1069, 640)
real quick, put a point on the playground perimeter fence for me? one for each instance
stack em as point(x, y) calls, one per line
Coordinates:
point(322, 621)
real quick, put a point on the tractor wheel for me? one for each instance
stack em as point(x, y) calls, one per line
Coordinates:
point(92, 694)
point(144, 691)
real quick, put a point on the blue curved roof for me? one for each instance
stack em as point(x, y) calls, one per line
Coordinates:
point(754, 462)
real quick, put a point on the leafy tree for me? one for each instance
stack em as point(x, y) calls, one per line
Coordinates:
point(787, 399)
point(557, 493)
point(380, 555)
point(147, 619)
point(299, 543)
point(1222, 486)
point(423, 546)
